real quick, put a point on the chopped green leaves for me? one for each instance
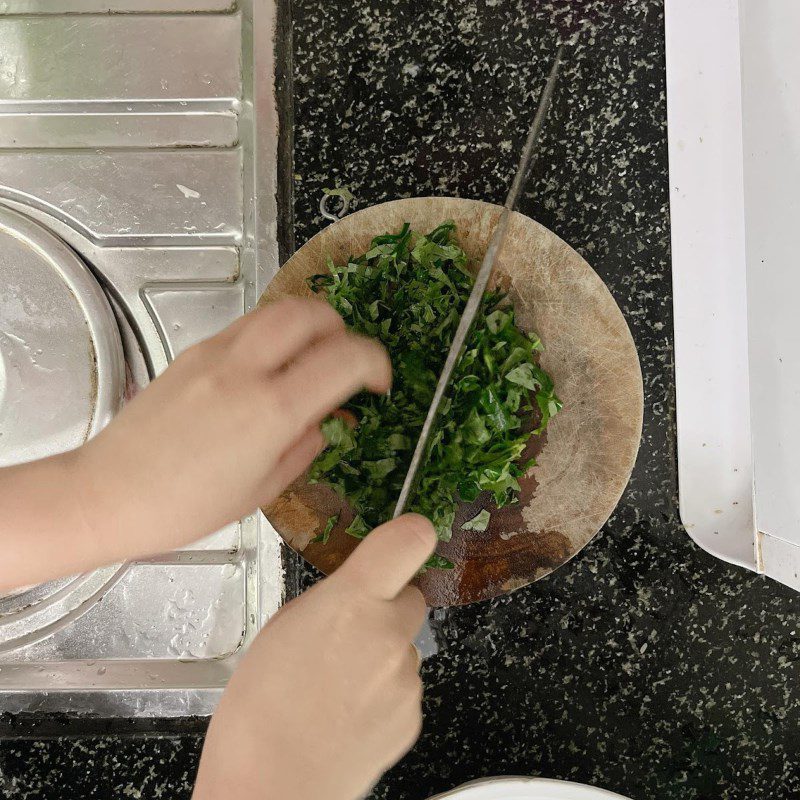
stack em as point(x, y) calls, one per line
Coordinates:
point(341, 440)
point(480, 522)
point(409, 291)
point(437, 562)
point(326, 533)
point(338, 434)
point(523, 375)
point(358, 527)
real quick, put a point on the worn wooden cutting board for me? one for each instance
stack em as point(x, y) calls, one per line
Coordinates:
point(584, 459)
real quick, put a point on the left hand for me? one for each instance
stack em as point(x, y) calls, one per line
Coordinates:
point(226, 427)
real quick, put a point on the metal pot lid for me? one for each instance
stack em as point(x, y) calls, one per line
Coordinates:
point(62, 369)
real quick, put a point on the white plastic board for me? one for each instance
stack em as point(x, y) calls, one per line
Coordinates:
point(771, 104)
point(733, 84)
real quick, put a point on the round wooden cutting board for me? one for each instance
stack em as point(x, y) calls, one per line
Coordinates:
point(586, 456)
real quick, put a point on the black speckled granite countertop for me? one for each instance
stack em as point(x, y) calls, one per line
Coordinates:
point(644, 666)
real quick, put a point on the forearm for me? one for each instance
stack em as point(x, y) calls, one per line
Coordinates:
point(42, 530)
point(84, 509)
point(74, 512)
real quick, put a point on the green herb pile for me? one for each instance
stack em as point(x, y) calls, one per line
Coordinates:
point(408, 291)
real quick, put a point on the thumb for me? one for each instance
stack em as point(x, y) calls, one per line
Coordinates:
point(384, 563)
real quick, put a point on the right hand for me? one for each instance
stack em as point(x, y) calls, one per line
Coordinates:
point(329, 695)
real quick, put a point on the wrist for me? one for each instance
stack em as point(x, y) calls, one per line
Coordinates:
point(77, 479)
point(127, 508)
point(107, 503)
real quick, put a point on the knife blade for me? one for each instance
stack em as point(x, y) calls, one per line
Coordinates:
point(476, 295)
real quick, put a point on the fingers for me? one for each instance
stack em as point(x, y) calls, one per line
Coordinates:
point(298, 456)
point(384, 563)
point(323, 377)
point(273, 335)
point(409, 608)
point(296, 459)
point(404, 726)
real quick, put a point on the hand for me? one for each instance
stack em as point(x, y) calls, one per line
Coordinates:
point(328, 696)
point(226, 427)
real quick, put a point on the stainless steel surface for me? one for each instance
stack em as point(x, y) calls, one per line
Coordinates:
point(476, 295)
point(105, 6)
point(135, 58)
point(144, 144)
point(61, 381)
point(137, 197)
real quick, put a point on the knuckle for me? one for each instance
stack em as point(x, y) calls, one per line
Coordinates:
point(416, 601)
point(397, 643)
point(250, 334)
point(303, 310)
point(243, 346)
point(356, 582)
point(346, 345)
point(362, 350)
point(195, 358)
point(349, 580)
point(366, 360)
point(393, 658)
point(220, 382)
point(402, 659)
point(316, 439)
point(418, 691)
point(205, 371)
point(347, 621)
point(412, 685)
point(375, 354)
point(415, 730)
point(287, 306)
point(413, 727)
point(324, 310)
point(280, 404)
point(414, 704)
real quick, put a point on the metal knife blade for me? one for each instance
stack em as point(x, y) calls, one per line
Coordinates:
point(481, 282)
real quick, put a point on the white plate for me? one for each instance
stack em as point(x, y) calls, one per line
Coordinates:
point(526, 789)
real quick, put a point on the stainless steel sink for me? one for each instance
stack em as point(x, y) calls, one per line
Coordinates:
point(141, 146)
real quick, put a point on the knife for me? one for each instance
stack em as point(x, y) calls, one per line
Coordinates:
point(426, 641)
point(476, 295)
